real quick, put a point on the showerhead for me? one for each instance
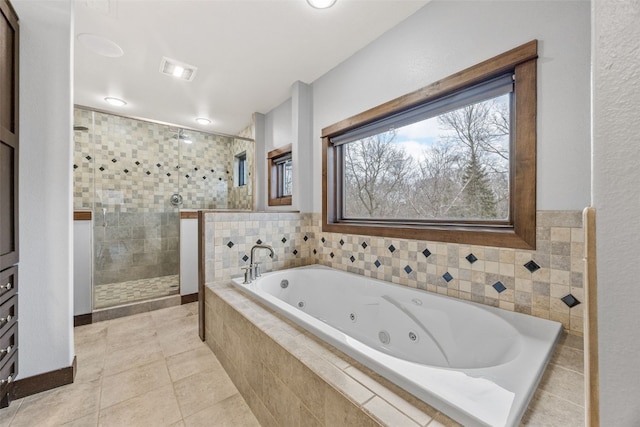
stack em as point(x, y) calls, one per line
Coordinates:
point(182, 136)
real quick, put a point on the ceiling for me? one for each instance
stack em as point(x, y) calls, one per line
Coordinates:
point(248, 53)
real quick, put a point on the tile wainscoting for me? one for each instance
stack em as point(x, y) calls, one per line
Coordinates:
point(531, 282)
point(322, 386)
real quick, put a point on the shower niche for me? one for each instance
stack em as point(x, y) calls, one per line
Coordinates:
point(136, 177)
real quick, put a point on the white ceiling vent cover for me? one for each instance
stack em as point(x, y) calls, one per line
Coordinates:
point(177, 69)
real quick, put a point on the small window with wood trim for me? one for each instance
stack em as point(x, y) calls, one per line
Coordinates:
point(280, 176)
point(453, 162)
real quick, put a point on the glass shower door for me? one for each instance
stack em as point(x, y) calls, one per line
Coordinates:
point(136, 229)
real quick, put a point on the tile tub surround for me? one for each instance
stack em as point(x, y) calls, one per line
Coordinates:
point(288, 377)
point(488, 275)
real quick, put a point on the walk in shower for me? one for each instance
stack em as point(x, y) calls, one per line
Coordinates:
point(135, 177)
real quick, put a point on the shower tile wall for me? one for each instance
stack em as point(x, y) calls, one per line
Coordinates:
point(138, 165)
point(131, 168)
point(240, 197)
point(445, 268)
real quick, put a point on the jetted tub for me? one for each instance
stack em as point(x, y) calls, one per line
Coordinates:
point(478, 364)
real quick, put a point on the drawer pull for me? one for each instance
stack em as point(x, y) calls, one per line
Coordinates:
point(5, 287)
point(5, 350)
point(4, 320)
point(7, 381)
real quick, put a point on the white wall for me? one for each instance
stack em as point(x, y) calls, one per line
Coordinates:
point(46, 284)
point(445, 37)
point(616, 197)
point(291, 123)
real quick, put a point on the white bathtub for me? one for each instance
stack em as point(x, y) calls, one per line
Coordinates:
point(477, 364)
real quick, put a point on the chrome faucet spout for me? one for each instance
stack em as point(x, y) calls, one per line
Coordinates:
point(253, 266)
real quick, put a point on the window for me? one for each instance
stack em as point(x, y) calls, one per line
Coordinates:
point(454, 161)
point(240, 169)
point(280, 176)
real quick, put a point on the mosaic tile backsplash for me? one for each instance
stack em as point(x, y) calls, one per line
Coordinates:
point(547, 282)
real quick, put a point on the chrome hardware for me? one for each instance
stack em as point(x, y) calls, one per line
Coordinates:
point(5, 319)
point(301, 304)
point(176, 199)
point(284, 283)
point(5, 350)
point(104, 217)
point(254, 269)
point(7, 381)
point(413, 336)
point(247, 275)
point(5, 287)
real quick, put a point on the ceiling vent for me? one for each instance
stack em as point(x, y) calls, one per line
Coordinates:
point(177, 69)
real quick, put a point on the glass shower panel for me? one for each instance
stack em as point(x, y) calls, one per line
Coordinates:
point(136, 176)
point(204, 170)
point(136, 229)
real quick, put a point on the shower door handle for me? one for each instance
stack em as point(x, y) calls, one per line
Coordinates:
point(104, 217)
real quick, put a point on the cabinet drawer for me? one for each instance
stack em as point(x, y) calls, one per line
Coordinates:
point(8, 373)
point(8, 283)
point(8, 314)
point(8, 344)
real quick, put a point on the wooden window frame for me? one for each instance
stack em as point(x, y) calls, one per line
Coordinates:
point(520, 230)
point(273, 176)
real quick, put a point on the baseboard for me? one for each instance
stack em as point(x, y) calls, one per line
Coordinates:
point(82, 319)
point(186, 299)
point(42, 382)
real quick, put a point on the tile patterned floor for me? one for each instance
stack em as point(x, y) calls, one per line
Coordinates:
point(149, 369)
point(112, 294)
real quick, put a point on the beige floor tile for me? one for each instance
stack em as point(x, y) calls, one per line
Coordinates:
point(58, 406)
point(191, 362)
point(550, 411)
point(89, 368)
point(162, 317)
point(179, 341)
point(203, 390)
point(177, 324)
point(126, 327)
point(7, 414)
point(90, 335)
point(569, 357)
point(154, 409)
point(134, 382)
point(231, 412)
point(134, 356)
point(564, 383)
point(86, 421)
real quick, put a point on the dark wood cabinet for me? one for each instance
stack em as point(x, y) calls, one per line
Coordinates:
point(9, 42)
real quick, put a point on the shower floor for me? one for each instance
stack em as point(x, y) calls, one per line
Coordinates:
point(112, 294)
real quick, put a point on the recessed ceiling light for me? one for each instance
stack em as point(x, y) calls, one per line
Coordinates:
point(116, 102)
point(100, 45)
point(177, 69)
point(203, 121)
point(321, 4)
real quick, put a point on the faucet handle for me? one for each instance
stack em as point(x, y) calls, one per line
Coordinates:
point(247, 274)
